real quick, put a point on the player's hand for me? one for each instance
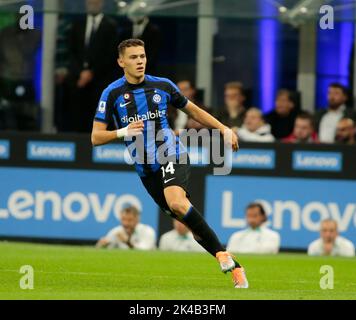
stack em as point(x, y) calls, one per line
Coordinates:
point(230, 139)
point(135, 128)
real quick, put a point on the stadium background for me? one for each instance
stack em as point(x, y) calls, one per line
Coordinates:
point(212, 42)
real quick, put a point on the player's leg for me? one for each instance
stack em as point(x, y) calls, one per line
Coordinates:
point(181, 207)
point(179, 204)
point(172, 199)
point(175, 180)
point(157, 183)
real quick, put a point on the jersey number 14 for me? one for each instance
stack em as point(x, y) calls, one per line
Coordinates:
point(168, 169)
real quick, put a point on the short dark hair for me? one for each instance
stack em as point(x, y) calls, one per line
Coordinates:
point(131, 209)
point(191, 83)
point(129, 43)
point(236, 85)
point(337, 85)
point(259, 206)
point(305, 115)
point(286, 92)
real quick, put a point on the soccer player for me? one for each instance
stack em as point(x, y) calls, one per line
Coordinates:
point(137, 103)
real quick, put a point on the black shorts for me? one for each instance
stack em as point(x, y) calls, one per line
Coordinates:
point(170, 174)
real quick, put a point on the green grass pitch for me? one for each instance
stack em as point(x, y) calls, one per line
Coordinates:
point(70, 272)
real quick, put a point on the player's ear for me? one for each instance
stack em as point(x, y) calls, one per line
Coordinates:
point(120, 62)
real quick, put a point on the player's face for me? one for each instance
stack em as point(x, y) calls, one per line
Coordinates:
point(134, 61)
point(254, 218)
point(328, 231)
point(129, 222)
point(302, 129)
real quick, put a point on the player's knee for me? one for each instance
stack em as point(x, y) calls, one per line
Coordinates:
point(178, 208)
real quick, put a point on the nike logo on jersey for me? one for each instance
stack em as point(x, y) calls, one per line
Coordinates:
point(122, 105)
point(166, 181)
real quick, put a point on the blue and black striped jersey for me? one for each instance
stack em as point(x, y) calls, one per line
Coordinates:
point(125, 103)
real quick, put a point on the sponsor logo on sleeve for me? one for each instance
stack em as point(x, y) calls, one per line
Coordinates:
point(102, 106)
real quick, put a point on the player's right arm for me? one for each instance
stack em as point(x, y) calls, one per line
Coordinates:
point(100, 135)
point(103, 116)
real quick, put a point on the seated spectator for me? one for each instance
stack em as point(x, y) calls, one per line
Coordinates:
point(303, 131)
point(192, 124)
point(234, 111)
point(257, 238)
point(254, 128)
point(330, 243)
point(345, 131)
point(282, 118)
point(180, 118)
point(179, 239)
point(328, 119)
point(19, 109)
point(131, 234)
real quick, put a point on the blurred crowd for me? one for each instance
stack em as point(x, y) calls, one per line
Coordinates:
point(286, 123)
point(256, 238)
point(86, 54)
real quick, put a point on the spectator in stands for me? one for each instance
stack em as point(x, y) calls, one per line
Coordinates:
point(330, 243)
point(282, 118)
point(345, 131)
point(131, 234)
point(257, 238)
point(234, 112)
point(303, 131)
point(179, 239)
point(254, 129)
point(328, 119)
point(92, 48)
point(180, 118)
point(192, 124)
point(189, 90)
point(61, 73)
point(18, 107)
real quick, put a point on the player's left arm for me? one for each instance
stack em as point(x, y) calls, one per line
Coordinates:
point(207, 120)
